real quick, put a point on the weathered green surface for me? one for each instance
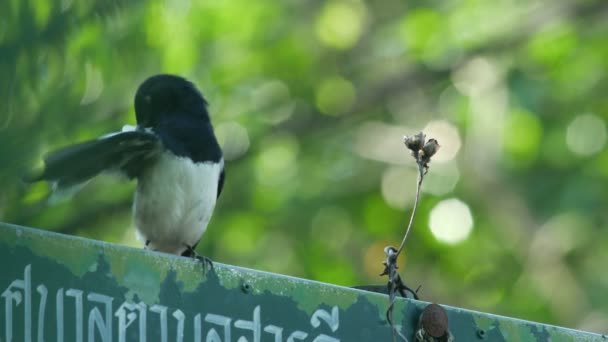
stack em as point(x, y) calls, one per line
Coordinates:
point(62, 288)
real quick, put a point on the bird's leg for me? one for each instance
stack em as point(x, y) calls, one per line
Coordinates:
point(191, 253)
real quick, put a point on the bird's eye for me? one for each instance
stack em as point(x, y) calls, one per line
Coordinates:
point(147, 98)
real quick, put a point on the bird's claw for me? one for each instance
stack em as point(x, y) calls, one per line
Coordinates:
point(206, 262)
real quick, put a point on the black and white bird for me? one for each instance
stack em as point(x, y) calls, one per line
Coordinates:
point(172, 153)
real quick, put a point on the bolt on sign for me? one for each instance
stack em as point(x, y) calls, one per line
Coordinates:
point(61, 288)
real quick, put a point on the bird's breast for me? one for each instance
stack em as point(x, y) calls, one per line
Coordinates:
point(174, 202)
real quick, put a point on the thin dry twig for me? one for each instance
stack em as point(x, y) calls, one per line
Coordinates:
point(395, 285)
point(421, 174)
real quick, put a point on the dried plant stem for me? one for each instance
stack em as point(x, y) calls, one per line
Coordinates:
point(411, 223)
point(395, 283)
point(422, 151)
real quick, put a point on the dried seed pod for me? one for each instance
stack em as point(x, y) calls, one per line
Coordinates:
point(414, 142)
point(430, 148)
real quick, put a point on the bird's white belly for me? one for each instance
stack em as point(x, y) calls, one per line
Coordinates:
point(174, 202)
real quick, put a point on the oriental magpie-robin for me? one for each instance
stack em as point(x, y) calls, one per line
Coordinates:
point(172, 153)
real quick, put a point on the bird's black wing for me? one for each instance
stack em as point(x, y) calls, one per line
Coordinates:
point(126, 152)
point(220, 184)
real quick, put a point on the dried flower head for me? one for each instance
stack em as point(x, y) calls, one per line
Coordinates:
point(414, 142)
point(430, 148)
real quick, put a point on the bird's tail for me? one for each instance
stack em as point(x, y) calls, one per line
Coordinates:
point(125, 152)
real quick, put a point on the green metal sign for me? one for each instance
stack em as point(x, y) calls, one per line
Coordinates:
point(61, 288)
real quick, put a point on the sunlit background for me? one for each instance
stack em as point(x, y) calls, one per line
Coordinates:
point(310, 101)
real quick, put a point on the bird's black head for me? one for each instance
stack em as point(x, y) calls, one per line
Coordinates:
point(162, 96)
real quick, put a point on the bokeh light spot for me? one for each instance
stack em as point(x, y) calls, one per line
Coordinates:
point(476, 76)
point(241, 235)
point(521, 136)
point(233, 138)
point(379, 219)
point(272, 100)
point(397, 186)
point(426, 37)
point(276, 252)
point(94, 84)
point(340, 24)
point(36, 192)
point(441, 179)
point(586, 135)
point(448, 137)
point(277, 163)
point(335, 225)
point(42, 13)
point(373, 256)
point(335, 95)
point(553, 44)
point(419, 28)
point(451, 221)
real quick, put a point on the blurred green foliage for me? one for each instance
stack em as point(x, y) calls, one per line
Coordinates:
point(310, 101)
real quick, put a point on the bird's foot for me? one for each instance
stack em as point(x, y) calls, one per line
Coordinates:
point(206, 262)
